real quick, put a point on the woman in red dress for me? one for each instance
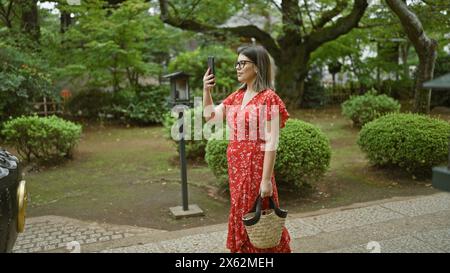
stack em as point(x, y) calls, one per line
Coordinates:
point(254, 113)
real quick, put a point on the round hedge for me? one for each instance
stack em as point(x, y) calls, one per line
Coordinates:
point(43, 138)
point(367, 107)
point(410, 141)
point(216, 158)
point(303, 155)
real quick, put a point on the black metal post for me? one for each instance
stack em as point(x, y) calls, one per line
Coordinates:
point(448, 165)
point(184, 187)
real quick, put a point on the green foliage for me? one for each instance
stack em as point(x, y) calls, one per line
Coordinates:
point(412, 142)
point(90, 103)
point(434, 18)
point(195, 63)
point(348, 50)
point(303, 155)
point(22, 81)
point(381, 35)
point(142, 105)
point(112, 47)
point(221, 10)
point(43, 138)
point(148, 105)
point(399, 89)
point(367, 107)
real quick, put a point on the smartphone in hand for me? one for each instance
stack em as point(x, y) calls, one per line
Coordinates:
point(211, 65)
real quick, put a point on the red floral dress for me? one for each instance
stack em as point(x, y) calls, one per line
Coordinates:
point(245, 164)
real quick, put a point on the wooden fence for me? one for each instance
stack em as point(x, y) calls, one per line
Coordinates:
point(48, 107)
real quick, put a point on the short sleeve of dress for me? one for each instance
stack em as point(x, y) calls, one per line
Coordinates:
point(273, 102)
point(230, 99)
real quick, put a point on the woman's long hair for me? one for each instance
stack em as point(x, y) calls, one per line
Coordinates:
point(261, 59)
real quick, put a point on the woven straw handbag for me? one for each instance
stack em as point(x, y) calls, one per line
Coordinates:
point(264, 227)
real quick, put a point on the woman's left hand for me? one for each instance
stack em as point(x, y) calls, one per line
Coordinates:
point(266, 189)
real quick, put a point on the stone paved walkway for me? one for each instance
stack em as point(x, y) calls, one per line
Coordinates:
point(418, 224)
point(53, 232)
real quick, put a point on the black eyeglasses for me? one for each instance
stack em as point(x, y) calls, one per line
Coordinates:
point(241, 64)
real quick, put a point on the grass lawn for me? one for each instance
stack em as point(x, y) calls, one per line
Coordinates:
point(128, 176)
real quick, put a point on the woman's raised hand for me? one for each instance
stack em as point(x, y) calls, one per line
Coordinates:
point(209, 80)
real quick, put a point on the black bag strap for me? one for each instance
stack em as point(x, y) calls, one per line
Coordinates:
point(257, 210)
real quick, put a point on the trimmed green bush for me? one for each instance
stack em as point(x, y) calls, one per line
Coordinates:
point(216, 158)
point(44, 138)
point(367, 107)
point(412, 142)
point(303, 155)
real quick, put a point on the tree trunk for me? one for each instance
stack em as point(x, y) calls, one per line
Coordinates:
point(289, 84)
point(8, 23)
point(425, 73)
point(66, 21)
point(292, 72)
point(404, 56)
point(425, 48)
point(30, 19)
point(334, 81)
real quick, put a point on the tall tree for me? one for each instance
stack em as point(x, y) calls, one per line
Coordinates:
point(112, 46)
point(298, 38)
point(426, 50)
